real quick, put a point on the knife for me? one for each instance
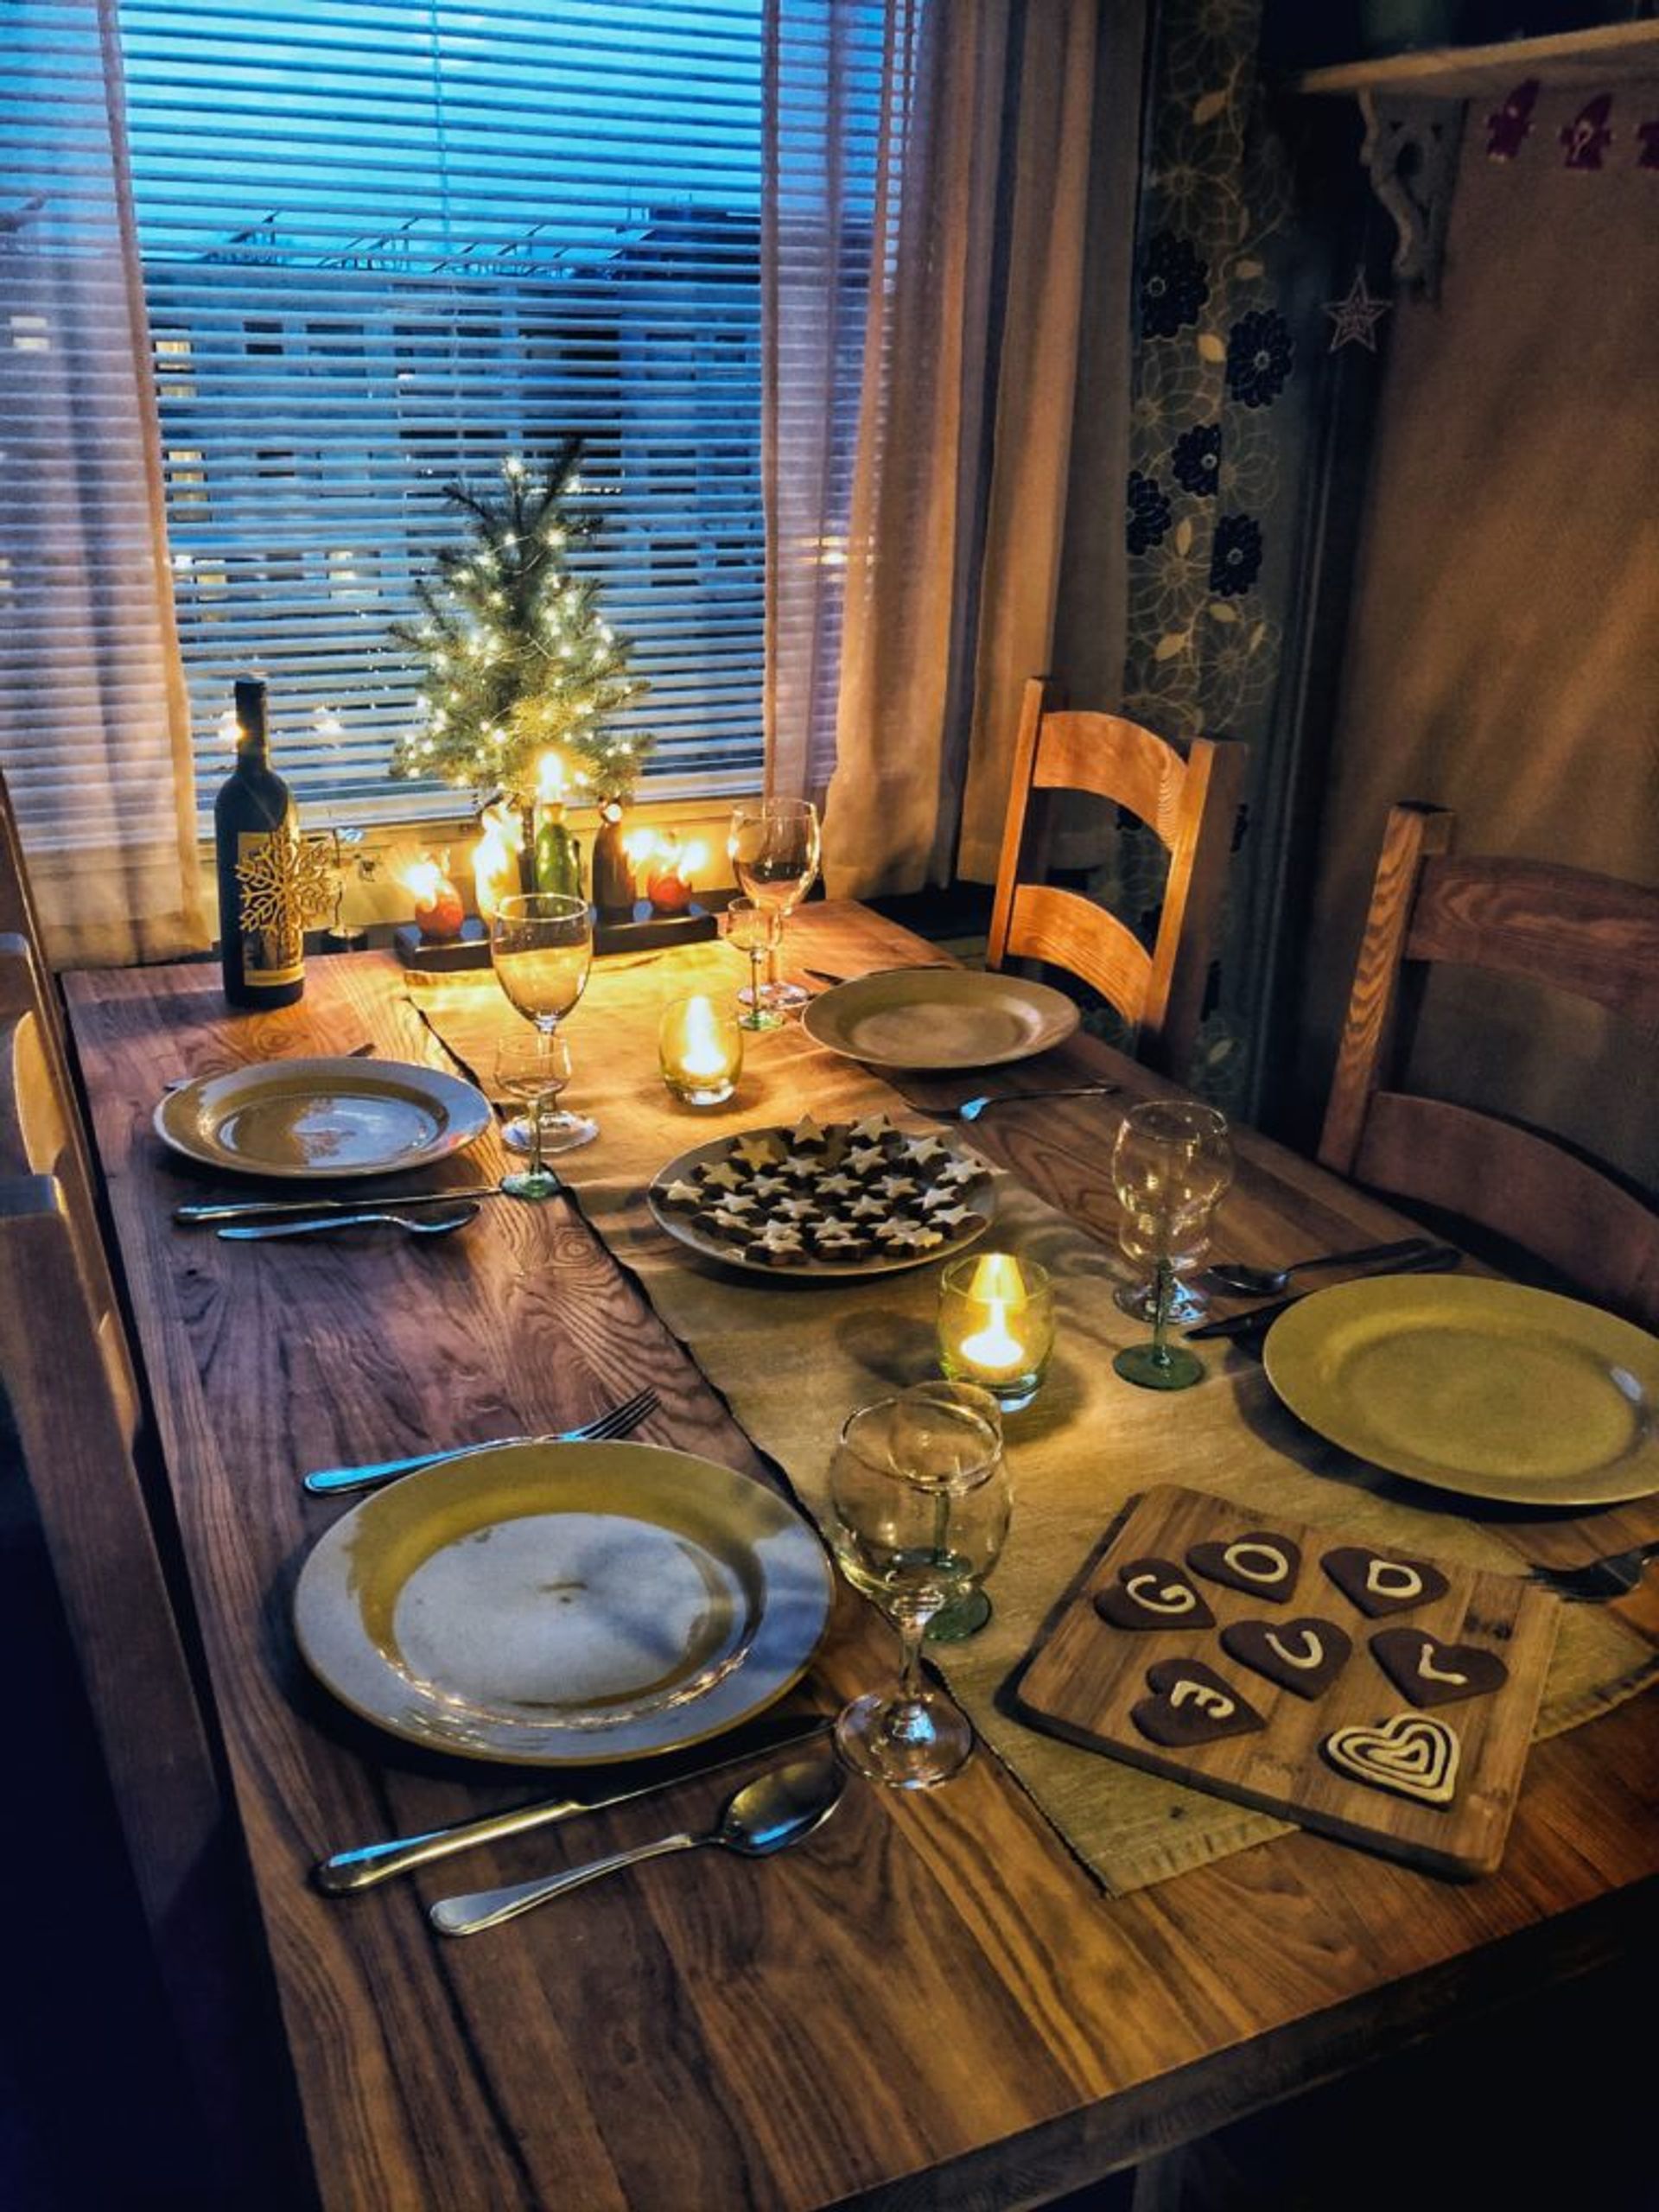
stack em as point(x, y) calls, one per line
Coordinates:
point(1435, 1259)
point(274, 1209)
point(346, 1872)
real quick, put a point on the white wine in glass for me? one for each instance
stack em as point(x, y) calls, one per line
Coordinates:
point(542, 949)
point(774, 845)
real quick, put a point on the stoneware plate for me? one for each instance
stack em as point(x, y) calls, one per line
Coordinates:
point(939, 1018)
point(322, 1120)
point(1488, 1389)
point(565, 1604)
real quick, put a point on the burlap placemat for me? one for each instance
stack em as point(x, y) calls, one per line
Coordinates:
point(792, 1358)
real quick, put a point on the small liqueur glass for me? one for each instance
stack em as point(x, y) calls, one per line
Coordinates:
point(1171, 1164)
point(919, 1509)
point(756, 929)
point(773, 845)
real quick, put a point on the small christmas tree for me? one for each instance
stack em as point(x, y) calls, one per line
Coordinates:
point(518, 662)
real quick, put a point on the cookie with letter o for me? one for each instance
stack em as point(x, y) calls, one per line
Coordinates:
point(1153, 1593)
point(1261, 1564)
point(1191, 1704)
point(1380, 1582)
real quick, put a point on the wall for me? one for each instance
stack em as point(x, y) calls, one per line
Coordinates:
point(1503, 655)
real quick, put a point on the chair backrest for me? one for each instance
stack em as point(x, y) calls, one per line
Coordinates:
point(18, 916)
point(1188, 800)
point(41, 1134)
point(1565, 928)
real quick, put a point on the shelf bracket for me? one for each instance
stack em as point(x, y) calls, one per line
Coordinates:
point(1410, 154)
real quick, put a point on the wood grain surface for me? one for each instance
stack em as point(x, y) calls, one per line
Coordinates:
point(927, 2004)
point(1088, 1677)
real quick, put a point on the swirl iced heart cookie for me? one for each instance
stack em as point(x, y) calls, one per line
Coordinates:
point(1411, 1755)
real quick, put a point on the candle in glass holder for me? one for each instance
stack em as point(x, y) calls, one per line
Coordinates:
point(996, 1324)
point(700, 1048)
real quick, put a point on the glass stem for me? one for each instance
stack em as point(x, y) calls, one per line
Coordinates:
point(912, 1627)
point(544, 1091)
point(757, 961)
point(1163, 1280)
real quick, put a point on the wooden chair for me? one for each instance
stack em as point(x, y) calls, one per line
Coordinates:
point(1565, 928)
point(1189, 802)
point(18, 916)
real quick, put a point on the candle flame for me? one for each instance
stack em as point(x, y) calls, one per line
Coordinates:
point(495, 858)
point(549, 780)
point(425, 878)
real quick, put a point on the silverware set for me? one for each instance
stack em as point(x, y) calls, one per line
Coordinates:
point(1601, 1580)
point(331, 1482)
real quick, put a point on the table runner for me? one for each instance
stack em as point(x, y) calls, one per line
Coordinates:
point(793, 1358)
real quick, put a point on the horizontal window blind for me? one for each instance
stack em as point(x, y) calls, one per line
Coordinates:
point(389, 244)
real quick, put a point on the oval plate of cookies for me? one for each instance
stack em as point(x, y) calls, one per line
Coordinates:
point(827, 1199)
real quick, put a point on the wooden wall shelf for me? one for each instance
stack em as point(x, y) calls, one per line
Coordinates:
point(1583, 57)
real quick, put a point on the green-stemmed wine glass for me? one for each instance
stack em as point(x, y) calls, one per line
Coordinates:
point(1171, 1163)
point(541, 948)
point(754, 928)
point(919, 1507)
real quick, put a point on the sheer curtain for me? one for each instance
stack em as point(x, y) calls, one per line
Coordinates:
point(94, 725)
point(951, 195)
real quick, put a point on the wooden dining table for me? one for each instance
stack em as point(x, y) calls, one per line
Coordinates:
point(932, 2001)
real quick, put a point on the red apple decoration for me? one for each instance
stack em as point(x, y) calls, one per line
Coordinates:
point(669, 893)
point(440, 919)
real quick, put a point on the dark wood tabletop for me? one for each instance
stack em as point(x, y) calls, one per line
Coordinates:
point(932, 2004)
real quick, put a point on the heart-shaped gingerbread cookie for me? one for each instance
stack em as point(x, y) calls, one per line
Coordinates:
point(1429, 1672)
point(1151, 1594)
point(1262, 1564)
point(1411, 1755)
point(1304, 1655)
point(1191, 1704)
point(1379, 1582)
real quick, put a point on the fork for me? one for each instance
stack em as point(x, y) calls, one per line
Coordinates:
point(1601, 1580)
point(971, 1108)
point(329, 1482)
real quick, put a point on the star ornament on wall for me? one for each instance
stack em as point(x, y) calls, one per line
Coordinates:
point(1356, 317)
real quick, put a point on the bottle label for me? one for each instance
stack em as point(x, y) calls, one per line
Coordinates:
point(270, 908)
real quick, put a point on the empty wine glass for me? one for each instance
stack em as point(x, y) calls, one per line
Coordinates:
point(1171, 1163)
point(773, 844)
point(1174, 1229)
point(533, 1066)
point(755, 930)
point(541, 948)
point(919, 1505)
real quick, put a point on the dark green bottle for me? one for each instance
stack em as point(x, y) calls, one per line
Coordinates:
point(558, 856)
point(255, 836)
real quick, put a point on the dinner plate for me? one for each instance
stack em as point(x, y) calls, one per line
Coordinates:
point(1488, 1389)
point(322, 1120)
point(565, 1604)
point(939, 1018)
point(978, 1198)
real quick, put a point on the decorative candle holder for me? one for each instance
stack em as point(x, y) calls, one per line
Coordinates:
point(700, 1048)
point(996, 1324)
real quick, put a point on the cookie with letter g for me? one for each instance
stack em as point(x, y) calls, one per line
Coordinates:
point(1153, 1593)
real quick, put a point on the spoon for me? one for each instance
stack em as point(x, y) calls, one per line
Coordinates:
point(439, 1225)
point(1266, 1283)
point(971, 1108)
point(767, 1815)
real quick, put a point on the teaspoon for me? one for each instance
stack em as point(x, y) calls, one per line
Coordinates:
point(439, 1225)
point(767, 1815)
point(1265, 1282)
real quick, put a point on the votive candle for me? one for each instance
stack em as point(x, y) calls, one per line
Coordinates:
point(700, 1048)
point(996, 1324)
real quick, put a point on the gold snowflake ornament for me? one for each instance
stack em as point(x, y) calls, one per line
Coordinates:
point(287, 882)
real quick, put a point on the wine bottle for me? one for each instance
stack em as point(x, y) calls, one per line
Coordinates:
point(613, 869)
point(256, 838)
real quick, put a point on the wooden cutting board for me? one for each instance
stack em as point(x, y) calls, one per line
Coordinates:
point(1387, 1698)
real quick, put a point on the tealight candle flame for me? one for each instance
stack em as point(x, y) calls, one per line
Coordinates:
point(549, 780)
point(994, 1350)
point(701, 1053)
point(425, 879)
point(495, 859)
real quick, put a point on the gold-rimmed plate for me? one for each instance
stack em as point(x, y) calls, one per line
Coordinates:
point(1488, 1389)
point(565, 1604)
point(322, 1120)
point(939, 1018)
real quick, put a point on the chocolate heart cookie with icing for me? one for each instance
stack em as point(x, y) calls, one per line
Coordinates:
point(1261, 1564)
point(1304, 1655)
point(1153, 1593)
point(1379, 1583)
point(1429, 1672)
point(1411, 1755)
point(1192, 1705)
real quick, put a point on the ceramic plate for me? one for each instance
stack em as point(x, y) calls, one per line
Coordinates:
point(565, 1604)
point(1488, 1389)
point(323, 1119)
point(962, 1184)
point(939, 1018)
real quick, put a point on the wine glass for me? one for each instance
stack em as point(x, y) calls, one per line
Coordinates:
point(533, 1066)
point(1183, 1243)
point(773, 845)
point(542, 947)
point(755, 930)
point(1171, 1163)
point(919, 1507)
